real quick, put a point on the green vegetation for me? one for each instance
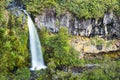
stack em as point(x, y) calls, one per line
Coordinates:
point(58, 55)
point(13, 52)
point(57, 49)
point(81, 8)
point(14, 47)
point(97, 41)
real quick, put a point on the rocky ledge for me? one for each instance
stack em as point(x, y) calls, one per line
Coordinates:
point(94, 45)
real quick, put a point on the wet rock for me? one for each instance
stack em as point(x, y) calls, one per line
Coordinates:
point(16, 8)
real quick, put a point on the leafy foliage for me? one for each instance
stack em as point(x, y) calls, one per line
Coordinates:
point(81, 8)
point(13, 42)
point(57, 48)
point(14, 50)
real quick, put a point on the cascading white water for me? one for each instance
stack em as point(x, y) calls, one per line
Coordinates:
point(35, 46)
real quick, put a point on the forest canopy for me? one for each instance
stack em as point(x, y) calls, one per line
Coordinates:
point(81, 8)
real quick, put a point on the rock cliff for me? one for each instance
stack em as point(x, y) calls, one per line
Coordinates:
point(106, 27)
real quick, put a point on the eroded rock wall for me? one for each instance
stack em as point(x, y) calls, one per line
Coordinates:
point(106, 27)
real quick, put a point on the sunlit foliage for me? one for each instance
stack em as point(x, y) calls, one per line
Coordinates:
point(14, 47)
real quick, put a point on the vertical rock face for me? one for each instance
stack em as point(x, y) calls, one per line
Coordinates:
point(82, 27)
point(112, 25)
point(47, 20)
point(108, 26)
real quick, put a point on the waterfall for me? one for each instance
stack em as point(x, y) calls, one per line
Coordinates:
point(35, 46)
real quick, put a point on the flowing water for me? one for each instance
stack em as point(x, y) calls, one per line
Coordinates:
point(35, 46)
